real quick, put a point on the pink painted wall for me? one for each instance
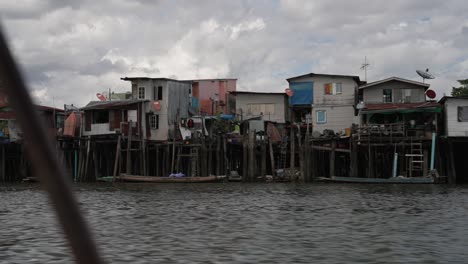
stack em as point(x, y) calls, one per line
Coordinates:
point(204, 90)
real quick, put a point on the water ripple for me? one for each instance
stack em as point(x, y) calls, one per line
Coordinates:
point(245, 223)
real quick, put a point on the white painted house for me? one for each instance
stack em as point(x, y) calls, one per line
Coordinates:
point(455, 116)
point(267, 106)
point(327, 100)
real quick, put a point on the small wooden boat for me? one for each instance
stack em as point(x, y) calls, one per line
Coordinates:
point(139, 178)
point(394, 180)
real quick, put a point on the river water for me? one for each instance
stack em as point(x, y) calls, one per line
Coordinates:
point(245, 223)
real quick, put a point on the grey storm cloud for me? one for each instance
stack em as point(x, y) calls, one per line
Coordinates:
point(83, 47)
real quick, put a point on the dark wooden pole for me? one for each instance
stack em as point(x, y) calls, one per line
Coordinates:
point(46, 166)
point(117, 157)
point(245, 159)
point(332, 158)
point(251, 147)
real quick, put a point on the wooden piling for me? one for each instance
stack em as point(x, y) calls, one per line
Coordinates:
point(88, 149)
point(301, 155)
point(129, 147)
point(157, 161)
point(251, 155)
point(272, 158)
point(218, 155)
point(95, 161)
point(245, 165)
point(117, 157)
point(353, 158)
point(291, 141)
point(263, 156)
point(332, 158)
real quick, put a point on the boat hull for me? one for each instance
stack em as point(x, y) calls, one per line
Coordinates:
point(139, 178)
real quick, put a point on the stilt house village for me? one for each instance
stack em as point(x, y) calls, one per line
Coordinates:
point(323, 127)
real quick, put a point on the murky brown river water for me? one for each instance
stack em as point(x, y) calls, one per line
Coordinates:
point(245, 223)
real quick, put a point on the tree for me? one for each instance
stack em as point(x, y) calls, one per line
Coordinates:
point(462, 90)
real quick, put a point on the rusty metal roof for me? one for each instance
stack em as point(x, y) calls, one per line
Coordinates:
point(110, 104)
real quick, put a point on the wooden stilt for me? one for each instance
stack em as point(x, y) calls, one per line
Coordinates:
point(332, 158)
point(95, 161)
point(272, 158)
point(218, 155)
point(293, 152)
point(452, 170)
point(157, 161)
point(252, 165)
point(263, 156)
point(128, 164)
point(117, 157)
point(227, 165)
point(353, 158)
point(313, 161)
point(245, 165)
point(88, 148)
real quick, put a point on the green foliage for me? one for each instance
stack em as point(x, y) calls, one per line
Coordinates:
point(462, 90)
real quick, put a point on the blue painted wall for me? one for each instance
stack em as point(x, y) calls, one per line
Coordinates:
point(303, 93)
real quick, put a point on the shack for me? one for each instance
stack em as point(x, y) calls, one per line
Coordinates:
point(397, 124)
point(212, 96)
point(454, 140)
point(327, 101)
point(164, 103)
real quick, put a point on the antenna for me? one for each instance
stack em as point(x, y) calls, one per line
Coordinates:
point(364, 67)
point(425, 74)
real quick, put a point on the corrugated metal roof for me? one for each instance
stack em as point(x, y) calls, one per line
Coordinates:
point(356, 78)
point(400, 106)
point(110, 104)
point(394, 79)
point(215, 79)
point(150, 78)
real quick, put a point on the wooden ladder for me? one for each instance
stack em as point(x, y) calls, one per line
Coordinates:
point(415, 158)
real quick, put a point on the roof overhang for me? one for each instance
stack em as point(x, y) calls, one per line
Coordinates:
point(402, 108)
point(111, 104)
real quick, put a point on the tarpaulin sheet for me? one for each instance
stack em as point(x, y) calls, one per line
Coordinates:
point(303, 93)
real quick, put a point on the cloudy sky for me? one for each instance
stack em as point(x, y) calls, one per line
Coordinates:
point(72, 49)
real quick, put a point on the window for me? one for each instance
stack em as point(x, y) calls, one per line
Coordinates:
point(141, 92)
point(159, 92)
point(100, 117)
point(321, 116)
point(387, 96)
point(154, 121)
point(462, 114)
point(333, 88)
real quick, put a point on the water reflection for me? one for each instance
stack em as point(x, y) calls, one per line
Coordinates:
point(245, 223)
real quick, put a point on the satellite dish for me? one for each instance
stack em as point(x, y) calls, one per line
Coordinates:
point(101, 97)
point(431, 94)
point(289, 92)
point(425, 74)
point(156, 106)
